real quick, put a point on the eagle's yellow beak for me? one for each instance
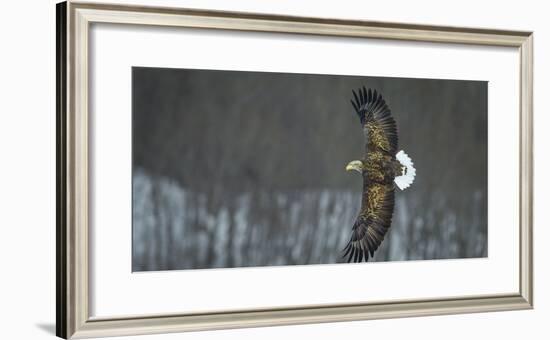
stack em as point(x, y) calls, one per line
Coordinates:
point(355, 165)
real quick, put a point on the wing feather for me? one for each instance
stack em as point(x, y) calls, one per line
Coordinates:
point(372, 224)
point(378, 124)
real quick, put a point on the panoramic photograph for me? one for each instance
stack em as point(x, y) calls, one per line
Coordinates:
point(245, 169)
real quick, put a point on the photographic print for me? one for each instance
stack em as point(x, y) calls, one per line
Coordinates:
point(240, 169)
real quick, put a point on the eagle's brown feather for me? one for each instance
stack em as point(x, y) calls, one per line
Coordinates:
point(372, 224)
point(377, 139)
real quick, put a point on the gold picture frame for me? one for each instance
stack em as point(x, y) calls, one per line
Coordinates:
point(73, 21)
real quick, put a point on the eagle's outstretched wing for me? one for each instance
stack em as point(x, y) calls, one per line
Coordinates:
point(372, 224)
point(378, 124)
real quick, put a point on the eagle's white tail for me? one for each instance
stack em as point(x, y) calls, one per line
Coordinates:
point(408, 173)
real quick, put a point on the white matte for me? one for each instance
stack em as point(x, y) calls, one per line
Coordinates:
point(117, 291)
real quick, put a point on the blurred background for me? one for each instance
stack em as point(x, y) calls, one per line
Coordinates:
point(234, 169)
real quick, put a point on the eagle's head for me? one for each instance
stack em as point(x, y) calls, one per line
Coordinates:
point(355, 165)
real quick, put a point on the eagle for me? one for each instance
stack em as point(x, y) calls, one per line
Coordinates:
point(382, 169)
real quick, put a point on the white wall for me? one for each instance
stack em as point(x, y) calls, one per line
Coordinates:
point(27, 178)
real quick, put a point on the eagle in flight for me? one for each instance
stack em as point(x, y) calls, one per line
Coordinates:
point(382, 168)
